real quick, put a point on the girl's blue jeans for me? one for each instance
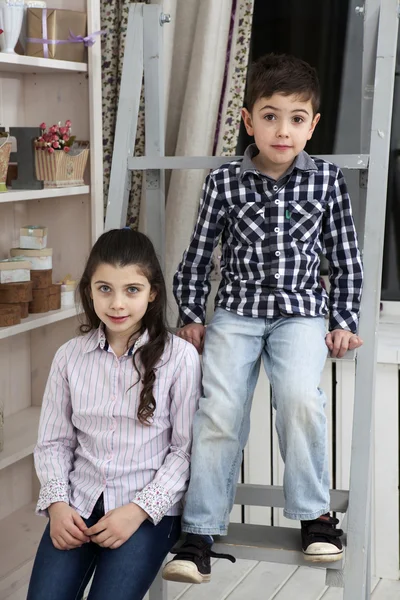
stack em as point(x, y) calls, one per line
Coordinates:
point(122, 574)
point(293, 351)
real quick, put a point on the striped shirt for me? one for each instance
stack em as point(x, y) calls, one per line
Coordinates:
point(91, 441)
point(273, 233)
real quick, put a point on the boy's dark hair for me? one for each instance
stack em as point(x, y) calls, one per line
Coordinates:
point(282, 74)
point(122, 247)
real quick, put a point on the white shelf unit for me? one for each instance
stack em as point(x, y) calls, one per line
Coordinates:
point(23, 195)
point(10, 63)
point(74, 217)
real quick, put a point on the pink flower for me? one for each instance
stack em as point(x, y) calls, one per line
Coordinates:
point(67, 149)
point(42, 125)
point(53, 129)
point(56, 145)
point(63, 130)
point(50, 150)
point(66, 138)
point(40, 139)
point(68, 124)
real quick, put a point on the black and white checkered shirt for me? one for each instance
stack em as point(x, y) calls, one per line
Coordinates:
point(273, 233)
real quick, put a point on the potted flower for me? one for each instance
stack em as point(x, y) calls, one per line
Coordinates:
point(60, 160)
point(5, 150)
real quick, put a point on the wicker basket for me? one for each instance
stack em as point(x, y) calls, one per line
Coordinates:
point(60, 169)
point(5, 150)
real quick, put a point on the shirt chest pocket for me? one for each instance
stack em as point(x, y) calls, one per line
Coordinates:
point(248, 222)
point(305, 219)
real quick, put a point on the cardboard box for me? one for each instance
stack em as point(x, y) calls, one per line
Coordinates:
point(39, 259)
point(33, 237)
point(56, 25)
point(12, 271)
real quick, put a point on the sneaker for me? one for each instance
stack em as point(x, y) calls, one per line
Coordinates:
point(192, 561)
point(321, 540)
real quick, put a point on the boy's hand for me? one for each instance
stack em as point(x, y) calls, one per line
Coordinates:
point(341, 340)
point(66, 527)
point(117, 526)
point(193, 333)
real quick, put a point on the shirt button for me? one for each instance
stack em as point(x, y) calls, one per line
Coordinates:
point(112, 427)
point(277, 202)
point(109, 457)
point(277, 253)
point(275, 188)
point(277, 276)
point(277, 230)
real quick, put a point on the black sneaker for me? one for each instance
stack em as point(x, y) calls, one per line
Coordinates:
point(192, 561)
point(321, 540)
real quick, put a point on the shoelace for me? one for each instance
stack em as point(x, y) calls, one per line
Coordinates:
point(189, 549)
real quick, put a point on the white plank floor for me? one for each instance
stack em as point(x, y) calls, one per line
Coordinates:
point(250, 580)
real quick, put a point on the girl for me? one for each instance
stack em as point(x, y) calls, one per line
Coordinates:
point(115, 433)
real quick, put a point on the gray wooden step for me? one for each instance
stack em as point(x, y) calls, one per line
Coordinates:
point(272, 495)
point(270, 544)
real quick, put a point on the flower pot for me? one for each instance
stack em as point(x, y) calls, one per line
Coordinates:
point(11, 15)
point(5, 151)
point(60, 169)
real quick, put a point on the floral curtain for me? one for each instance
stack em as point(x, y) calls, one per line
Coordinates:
point(114, 20)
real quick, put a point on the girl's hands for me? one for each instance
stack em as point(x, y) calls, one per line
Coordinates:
point(117, 526)
point(66, 527)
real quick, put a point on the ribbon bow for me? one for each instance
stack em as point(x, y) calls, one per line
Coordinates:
point(88, 40)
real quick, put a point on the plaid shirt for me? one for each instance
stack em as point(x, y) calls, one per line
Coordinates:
point(273, 233)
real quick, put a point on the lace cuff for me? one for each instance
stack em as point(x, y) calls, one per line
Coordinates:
point(55, 490)
point(155, 500)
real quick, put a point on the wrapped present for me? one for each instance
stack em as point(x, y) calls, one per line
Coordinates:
point(33, 237)
point(40, 259)
point(14, 269)
point(56, 33)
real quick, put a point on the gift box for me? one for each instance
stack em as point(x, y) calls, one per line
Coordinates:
point(13, 270)
point(40, 301)
point(68, 288)
point(10, 316)
point(55, 296)
point(56, 33)
point(33, 237)
point(13, 293)
point(40, 259)
point(42, 278)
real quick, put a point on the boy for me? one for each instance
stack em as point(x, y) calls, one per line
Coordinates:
point(276, 210)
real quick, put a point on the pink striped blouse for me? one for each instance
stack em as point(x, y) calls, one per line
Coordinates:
point(91, 441)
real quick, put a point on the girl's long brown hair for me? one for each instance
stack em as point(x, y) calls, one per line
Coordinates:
point(119, 248)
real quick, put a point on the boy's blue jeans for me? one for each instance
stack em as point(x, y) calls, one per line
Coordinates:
point(122, 574)
point(293, 351)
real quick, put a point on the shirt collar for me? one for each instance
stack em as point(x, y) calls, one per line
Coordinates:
point(302, 162)
point(97, 339)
